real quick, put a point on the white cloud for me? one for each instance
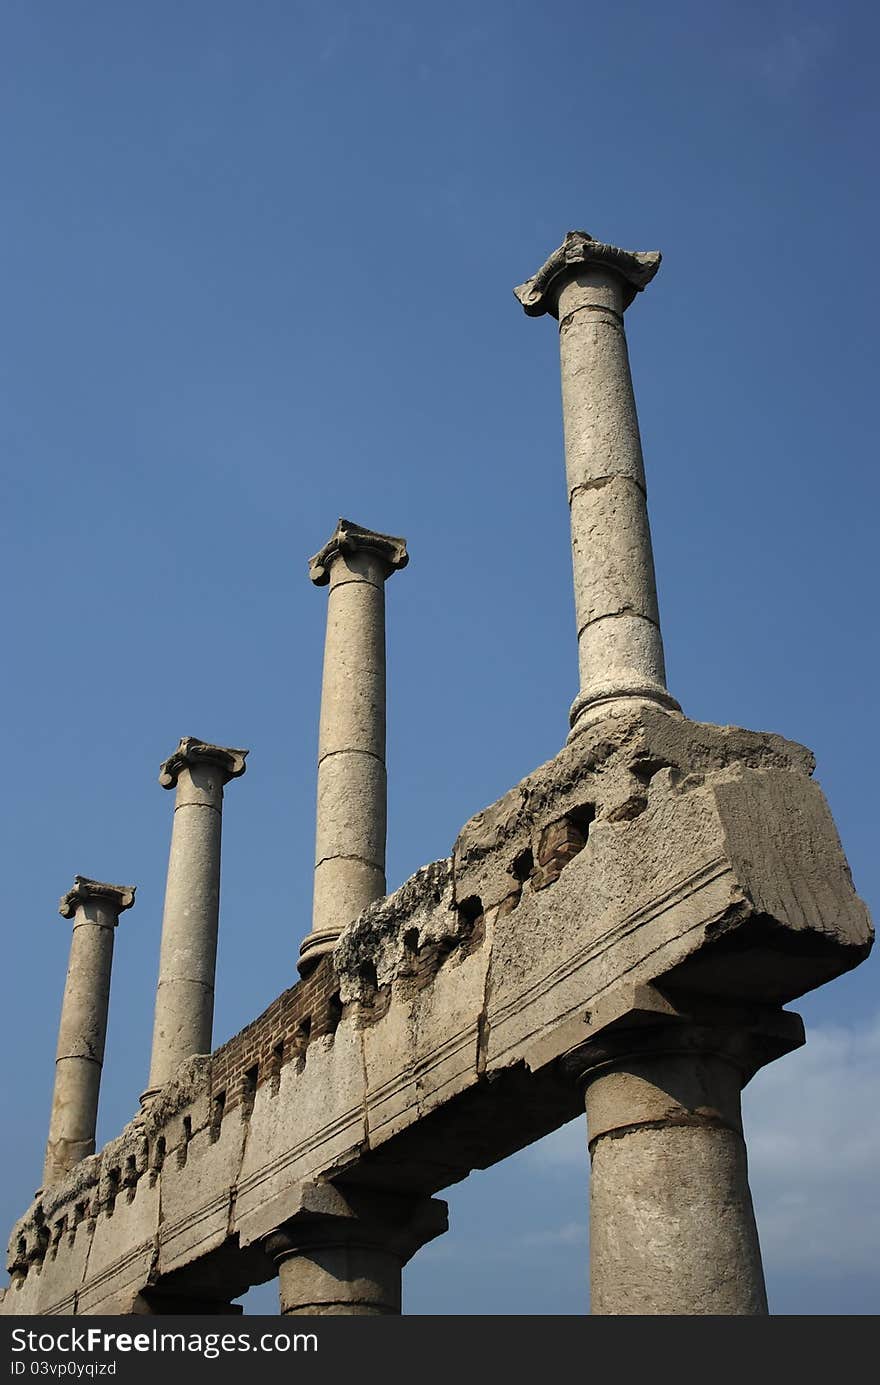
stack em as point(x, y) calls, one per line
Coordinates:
point(788, 58)
point(813, 1130)
point(571, 1233)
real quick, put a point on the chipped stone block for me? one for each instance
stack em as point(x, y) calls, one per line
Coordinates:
point(442, 1023)
point(196, 1196)
point(122, 1249)
point(314, 1125)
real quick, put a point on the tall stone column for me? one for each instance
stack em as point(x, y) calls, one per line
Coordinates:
point(95, 908)
point(352, 787)
point(672, 1228)
point(184, 1014)
point(343, 1255)
point(587, 286)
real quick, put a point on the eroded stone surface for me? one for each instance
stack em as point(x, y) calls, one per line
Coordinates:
point(94, 907)
point(643, 861)
point(579, 249)
point(588, 285)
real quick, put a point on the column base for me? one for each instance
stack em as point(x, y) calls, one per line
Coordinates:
point(591, 706)
point(313, 948)
point(63, 1156)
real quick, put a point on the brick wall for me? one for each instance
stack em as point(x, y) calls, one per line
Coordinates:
point(279, 1035)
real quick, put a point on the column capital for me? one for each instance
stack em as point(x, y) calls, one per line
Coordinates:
point(117, 896)
point(745, 1038)
point(193, 751)
point(326, 1216)
point(348, 537)
point(636, 267)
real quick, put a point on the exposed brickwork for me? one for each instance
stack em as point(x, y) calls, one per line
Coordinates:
point(278, 1036)
point(559, 843)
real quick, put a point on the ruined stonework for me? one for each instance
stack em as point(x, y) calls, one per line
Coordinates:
point(620, 932)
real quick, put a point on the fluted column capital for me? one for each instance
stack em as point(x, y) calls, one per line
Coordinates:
point(348, 538)
point(85, 891)
point(192, 751)
point(540, 294)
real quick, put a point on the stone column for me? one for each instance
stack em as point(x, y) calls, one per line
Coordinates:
point(672, 1228)
point(185, 993)
point(348, 1259)
point(352, 787)
point(587, 286)
point(154, 1301)
point(95, 909)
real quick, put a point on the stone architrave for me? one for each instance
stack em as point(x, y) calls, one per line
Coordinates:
point(587, 286)
point(352, 785)
point(95, 908)
point(184, 1013)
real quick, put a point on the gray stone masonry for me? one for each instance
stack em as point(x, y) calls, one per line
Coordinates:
point(184, 1015)
point(352, 789)
point(587, 285)
point(95, 908)
point(658, 876)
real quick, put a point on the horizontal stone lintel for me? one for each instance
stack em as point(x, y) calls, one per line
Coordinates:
point(657, 872)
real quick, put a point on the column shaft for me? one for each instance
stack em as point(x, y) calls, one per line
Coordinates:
point(620, 648)
point(81, 1036)
point(588, 285)
point(83, 1027)
point(352, 786)
point(184, 1014)
point(672, 1228)
point(154, 1301)
point(340, 1280)
point(185, 993)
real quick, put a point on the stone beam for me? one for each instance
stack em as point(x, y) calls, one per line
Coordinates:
point(95, 908)
point(587, 285)
point(352, 788)
point(184, 1014)
point(658, 878)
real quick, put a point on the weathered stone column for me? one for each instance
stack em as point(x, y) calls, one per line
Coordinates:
point(347, 1260)
point(352, 787)
point(587, 286)
point(672, 1228)
point(95, 908)
point(185, 993)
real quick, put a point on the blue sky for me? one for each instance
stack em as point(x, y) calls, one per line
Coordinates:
point(259, 261)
